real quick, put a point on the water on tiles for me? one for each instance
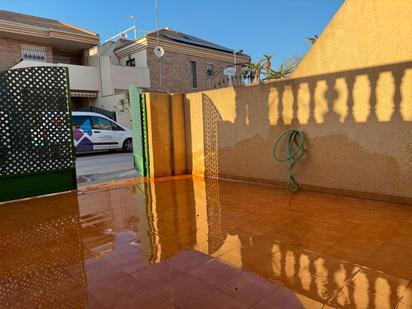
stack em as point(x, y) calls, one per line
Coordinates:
point(187, 241)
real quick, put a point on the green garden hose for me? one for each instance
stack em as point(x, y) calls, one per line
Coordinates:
point(295, 150)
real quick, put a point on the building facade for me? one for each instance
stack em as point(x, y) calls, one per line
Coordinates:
point(100, 74)
point(34, 41)
point(188, 64)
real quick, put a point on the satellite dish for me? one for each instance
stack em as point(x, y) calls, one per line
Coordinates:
point(159, 51)
point(123, 36)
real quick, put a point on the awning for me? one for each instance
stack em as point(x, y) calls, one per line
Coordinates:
point(83, 94)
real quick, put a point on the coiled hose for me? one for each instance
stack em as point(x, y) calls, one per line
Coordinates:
point(295, 150)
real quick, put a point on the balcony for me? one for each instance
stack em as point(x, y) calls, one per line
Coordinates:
point(118, 77)
point(123, 76)
point(86, 78)
point(81, 77)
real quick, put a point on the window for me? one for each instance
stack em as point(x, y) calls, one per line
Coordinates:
point(33, 53)
point(100, 123)
point(209, 70)
point(193, 73)
point(81, 121)
point(131, 62)
point(116, 127)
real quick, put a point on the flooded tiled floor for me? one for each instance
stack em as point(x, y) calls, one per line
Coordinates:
point(194, 243)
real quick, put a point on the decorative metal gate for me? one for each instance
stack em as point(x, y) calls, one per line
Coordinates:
point(139, 131)
point(36, 143)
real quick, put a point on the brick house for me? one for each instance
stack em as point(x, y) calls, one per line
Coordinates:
point(27, 40)
point(100, 74)
point(26, 37)
point(189, 63)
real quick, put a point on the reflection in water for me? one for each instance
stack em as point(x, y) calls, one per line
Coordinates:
point(48, 245)
point(41, 262)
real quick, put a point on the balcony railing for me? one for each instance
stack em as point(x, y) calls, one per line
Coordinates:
point(81, 77)
point(123, 76)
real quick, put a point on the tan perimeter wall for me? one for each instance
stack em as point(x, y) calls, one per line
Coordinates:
point(166, 134)
point(358, 138)
point(351, 95)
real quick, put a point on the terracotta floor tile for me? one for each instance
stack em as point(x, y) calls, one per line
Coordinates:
point(247, 287)
point(94, 262)
point(310, 243)
point(183, 291)
point(187, 260)
point(266, 267)
point(235, 258)
point(355, 249)
point(308, 302)
point(147, 300)
point(214, 272)
point(401, 305)
point(281, 298)
point(114, 292)
point(373, 285)
point(216, 300)
point(345, 298)
point(255, 228)
point(407, 295)
point(93, 303)
point(392, 259)
point(402, 239)
point(128, 258)
point(376, 230)
point(157, 275)
point(103, 274)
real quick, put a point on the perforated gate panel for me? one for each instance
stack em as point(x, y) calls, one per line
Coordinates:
point(139, 131)
point(36, 145)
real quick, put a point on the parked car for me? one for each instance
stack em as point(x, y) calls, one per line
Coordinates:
point(95, 132)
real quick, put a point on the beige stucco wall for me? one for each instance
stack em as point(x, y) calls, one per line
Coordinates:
point(351, 95)
point(166, 134)
point(178, 134)
point(140, 58)
point(231, 132)
point(363, 33)
point(112, 103)
point(159, 134)
point(353, 103)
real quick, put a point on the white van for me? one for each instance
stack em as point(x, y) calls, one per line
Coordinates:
point(96, 132)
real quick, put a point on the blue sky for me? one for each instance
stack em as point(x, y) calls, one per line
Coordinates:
point(260, 26)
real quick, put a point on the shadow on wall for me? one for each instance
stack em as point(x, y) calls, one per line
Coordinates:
point(356, 126)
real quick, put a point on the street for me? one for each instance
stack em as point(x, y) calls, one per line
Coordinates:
point(105, 166)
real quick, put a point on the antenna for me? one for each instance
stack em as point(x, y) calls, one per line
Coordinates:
point(159, 51)
point(124, 32)
point(134, 25)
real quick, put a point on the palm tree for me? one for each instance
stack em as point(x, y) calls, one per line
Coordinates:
point(312, 39)
point(252, 71)
point(267, 66)
point(284, 70)
point(247, 73)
